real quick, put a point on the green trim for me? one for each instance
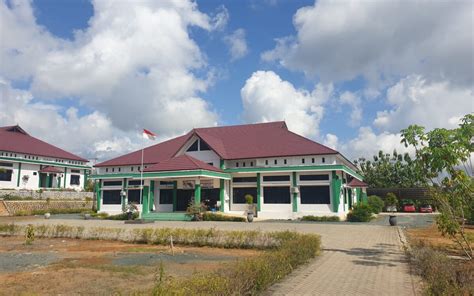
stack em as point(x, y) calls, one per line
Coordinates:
point(259, 193)
point(327, 167)
point(221, 194)
point(336, 191)
point(19, 173)
point(175, 195)
point(152, 195)
point(39, 177)
point(65, 174)
point(57, 164)
point(98, 193)
point(145, 200)
point(170, 174)
point(359, 194)
point(222, 164)
point(197, 194)
point(295, 195)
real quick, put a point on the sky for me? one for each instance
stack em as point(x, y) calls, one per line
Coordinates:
point(88, 76)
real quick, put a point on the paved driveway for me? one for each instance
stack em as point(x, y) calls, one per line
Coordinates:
point(358, 259)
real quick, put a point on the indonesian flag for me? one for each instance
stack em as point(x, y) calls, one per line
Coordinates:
point(148, 135)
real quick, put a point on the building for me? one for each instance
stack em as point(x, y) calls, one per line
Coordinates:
point(289, 176)
point(29, 163)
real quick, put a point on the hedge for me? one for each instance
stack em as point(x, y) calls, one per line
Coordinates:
point(209, 216)
point(321, 218)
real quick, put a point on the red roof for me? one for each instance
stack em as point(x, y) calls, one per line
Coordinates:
point(182, 163)
point(357, 183)
point(15, 139)
point(272, 139)
point(51, 169)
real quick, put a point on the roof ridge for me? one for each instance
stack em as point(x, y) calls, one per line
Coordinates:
point(240, 125)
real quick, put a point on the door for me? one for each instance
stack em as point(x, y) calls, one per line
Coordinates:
point(183, 199)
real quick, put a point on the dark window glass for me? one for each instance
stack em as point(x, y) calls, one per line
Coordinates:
point(194, 146)
point(134, 196)
point(111, 197)
point(237, 164)
point(302, 160)
point(238, 194)
point(75, 171)
point(251, 163)
point(276, 161)
point(112, 183)
point(284, 161)
point(204, 146)
point(244, 179)
point(314, 177)
point(166, 196)
point(276, 178)
point(324, 160)
point(131, 169)
point(266, 161)
point(243, 164)
point(113, 170)
point(119, 169)
point(135, 182)
point(166, 183)
point(75, 180)
point(312, 160)
point(107, 170)
point(210, 163)
point(6, 175)
point(6, 164)
point(276, 195)
point(315, 195)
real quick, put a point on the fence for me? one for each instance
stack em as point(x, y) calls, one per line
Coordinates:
point(418, 195)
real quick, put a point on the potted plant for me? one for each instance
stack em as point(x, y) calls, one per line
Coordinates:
point(251, 207)
point(391, 203)
point(130, 209)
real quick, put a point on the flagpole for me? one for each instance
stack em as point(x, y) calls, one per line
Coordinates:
point(141, 182)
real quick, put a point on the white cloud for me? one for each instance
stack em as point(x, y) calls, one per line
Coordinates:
point(431, 104)
point(135, 64)
point(381, 40)
point(354, 101)
point(332, 141)
point(221, 18)
point(266, 97)
point(237, 44)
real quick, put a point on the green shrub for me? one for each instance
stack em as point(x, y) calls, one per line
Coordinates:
point(122, 216)
point(375, 204)
point(29, 234)
point(209, 216)
point(321, 218)
point(391, 200)
point(360, 213)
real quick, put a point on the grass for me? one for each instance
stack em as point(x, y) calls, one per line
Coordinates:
point(209, 216)
point(321, 218)
point(53, 211)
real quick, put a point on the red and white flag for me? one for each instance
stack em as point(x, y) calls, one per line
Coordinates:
point(148, 135)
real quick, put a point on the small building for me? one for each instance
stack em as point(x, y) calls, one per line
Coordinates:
point(287, 175)
point(29, 163)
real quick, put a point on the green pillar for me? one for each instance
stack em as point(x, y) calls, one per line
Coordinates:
point(98, 194)
point(122, 198)
point(295, 195)
point(221, 194)
point(145, 200)
point(48, 180)
point(359, 194)
point(39, 176)
point(336, 191)
point(152, 195)
point(197, 194)
point(65, 173)
point(175, 195)
point(259, 194)
point(19, 173)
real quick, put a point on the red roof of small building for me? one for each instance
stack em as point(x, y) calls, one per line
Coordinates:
point(357, 183)
point(51, 169)
point(15, 139)
point(182, 163)
point(272, 139)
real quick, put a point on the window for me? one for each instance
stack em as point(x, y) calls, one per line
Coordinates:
point(266, 161)
point(6, 164)
point(134, 196)
point(167, 183)
point(35, 173)
point(204, 146)
point(131, 169)
point(210, 163)
point(237, 164)
point(113, 170)
point(276, 195)
point(111, 197)
point(135, 182)
point(314, 177)
point(112, 183)
point(284, 161)
point(75, 171)
point(243, 164)
point(276, 178)
point(312, 160)
point(119, 169)
point(194, 146)
point(238, 194)
point(6, 175)
point(251, 163)
point(107, 170)
point(324, 160)
point(75, 180)
point(166, 196)
point(244, 179)
point(302, 160)
point(276, 161)
point(315, 195)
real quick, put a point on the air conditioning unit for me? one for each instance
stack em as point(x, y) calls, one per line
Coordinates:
point(295, 190)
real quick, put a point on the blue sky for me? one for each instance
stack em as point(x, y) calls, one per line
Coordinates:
point(349, 76)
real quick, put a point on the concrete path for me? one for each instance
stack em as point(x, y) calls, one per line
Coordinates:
point(357, 259)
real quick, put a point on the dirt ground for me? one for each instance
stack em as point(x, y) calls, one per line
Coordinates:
point(69, 266)
point(430, 236)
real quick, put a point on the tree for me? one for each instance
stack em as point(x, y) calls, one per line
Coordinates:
point(389, 171)
point(444, 156)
